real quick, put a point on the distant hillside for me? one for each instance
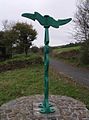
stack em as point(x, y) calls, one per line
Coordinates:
point(67, 45)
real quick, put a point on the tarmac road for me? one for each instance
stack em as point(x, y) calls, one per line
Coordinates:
point(78, 74)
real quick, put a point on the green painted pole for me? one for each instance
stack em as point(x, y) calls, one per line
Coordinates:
point(46, 107)
point(46, 65)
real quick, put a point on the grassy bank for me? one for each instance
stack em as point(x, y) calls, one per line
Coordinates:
point(20, 61)
point(71, 55)
point(21, 57)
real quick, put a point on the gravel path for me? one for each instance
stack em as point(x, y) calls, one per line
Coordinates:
point(77, 74)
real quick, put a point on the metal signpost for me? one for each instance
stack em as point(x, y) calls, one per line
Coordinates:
point(46, 21)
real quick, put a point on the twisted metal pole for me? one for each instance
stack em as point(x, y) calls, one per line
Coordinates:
point(46, 107)
point(46, 65)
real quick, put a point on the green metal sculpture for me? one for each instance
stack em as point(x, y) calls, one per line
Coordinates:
point(46, 21)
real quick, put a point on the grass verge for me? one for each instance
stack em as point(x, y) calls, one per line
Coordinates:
point(29, 81)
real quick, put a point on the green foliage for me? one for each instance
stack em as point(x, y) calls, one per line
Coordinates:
point(1, 37)
point(85, 53)
point(35, 49)
point(7, 39)
point(17, 37)
point(26, 34)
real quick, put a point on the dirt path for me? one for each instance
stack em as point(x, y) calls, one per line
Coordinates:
point(77, 74)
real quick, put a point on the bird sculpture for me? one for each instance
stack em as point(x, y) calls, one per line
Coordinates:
point(47, 22)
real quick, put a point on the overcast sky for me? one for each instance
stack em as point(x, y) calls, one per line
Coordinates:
point(11, 10)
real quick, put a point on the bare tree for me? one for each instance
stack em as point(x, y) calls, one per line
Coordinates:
point(82, 29)
point(7, 25)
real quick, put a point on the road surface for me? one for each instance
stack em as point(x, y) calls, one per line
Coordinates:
point(78, 74)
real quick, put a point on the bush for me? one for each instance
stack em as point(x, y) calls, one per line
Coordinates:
point(84, 58)
point(35, 49)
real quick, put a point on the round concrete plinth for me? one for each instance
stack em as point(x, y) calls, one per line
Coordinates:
point(26, 108)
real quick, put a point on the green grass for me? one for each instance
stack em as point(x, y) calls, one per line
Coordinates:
point(21, 82)
point(29, 81)
point(62, 85)
point(59, 49)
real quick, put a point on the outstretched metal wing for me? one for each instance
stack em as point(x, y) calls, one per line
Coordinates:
point(52, 22)
point(56, 23)
point(35, 16)
point(39, 18)
point(64, 21)
point(28, 15)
